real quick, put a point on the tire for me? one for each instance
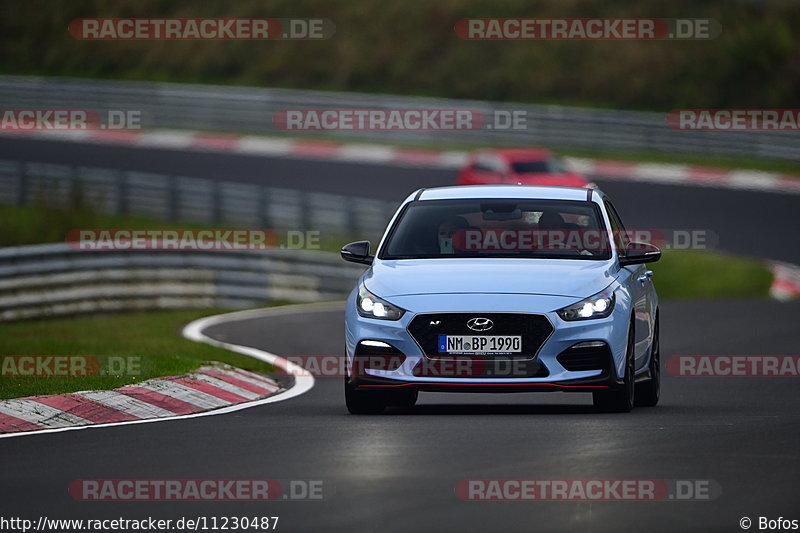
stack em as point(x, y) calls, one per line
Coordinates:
point(361, 402)
point(649, 392)
point(622, 400)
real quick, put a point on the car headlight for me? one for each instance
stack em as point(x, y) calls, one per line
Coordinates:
point(370, 306)
point(598, 306)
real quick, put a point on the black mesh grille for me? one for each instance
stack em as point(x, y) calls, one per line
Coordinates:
point(586, 358)
point(534, 329)
point(480, 367)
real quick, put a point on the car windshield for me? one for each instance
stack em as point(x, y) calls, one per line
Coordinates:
point(559, 229)
point(533, 167)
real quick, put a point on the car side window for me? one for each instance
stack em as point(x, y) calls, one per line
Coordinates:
point(621, 238)
point(557, 165)
point(488, 164)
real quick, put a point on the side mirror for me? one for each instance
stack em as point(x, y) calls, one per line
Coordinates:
point(638, 253)
point(357, 252)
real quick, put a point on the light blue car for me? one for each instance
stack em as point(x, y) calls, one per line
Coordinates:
point(503, 288)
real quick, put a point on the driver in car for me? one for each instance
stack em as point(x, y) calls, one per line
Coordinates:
point(447, 229)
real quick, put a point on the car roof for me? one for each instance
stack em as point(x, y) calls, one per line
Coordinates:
point(538, 192)
point(520, 154)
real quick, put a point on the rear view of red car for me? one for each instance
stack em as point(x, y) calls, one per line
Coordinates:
point(529, 166)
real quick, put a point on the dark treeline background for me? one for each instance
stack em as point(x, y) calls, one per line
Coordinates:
point(409, 47)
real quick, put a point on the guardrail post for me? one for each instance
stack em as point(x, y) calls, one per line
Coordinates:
point(216, 202)
point(76, 197)
point(350, 223)
point(122, 193)
point(172, 198)
point(263, 208)
point(22, 184)
point(305, 211)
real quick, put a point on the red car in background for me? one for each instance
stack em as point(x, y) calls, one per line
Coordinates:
point(529, 166)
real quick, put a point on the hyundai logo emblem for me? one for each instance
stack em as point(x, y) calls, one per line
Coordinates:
point(479, 324)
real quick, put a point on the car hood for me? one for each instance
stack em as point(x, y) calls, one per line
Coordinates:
point(555, 277)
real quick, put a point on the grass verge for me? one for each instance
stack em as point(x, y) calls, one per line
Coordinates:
point(692, 274)
point(153, 337)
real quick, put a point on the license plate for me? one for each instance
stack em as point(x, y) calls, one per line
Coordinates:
point(480, 344)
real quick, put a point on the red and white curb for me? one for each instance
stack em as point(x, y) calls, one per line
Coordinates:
point(786, 281)
point(667, 174)
point(211, 390)
point(210, 387)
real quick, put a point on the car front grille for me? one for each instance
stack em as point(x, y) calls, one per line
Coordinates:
point(535, 329)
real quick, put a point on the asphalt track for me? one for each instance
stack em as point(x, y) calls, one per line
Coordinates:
point(397, 472)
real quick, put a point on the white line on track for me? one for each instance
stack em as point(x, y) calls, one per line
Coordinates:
point(303, 382)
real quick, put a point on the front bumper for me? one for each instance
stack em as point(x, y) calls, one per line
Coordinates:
point(612, 331)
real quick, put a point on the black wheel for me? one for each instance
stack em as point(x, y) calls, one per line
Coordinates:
point(402, 398)
point(621, 400)
point(363, 402)
point(648, 392)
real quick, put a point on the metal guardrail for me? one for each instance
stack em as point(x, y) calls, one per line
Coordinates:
point(193, 200)
point(55, 280)
point(242, 109)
